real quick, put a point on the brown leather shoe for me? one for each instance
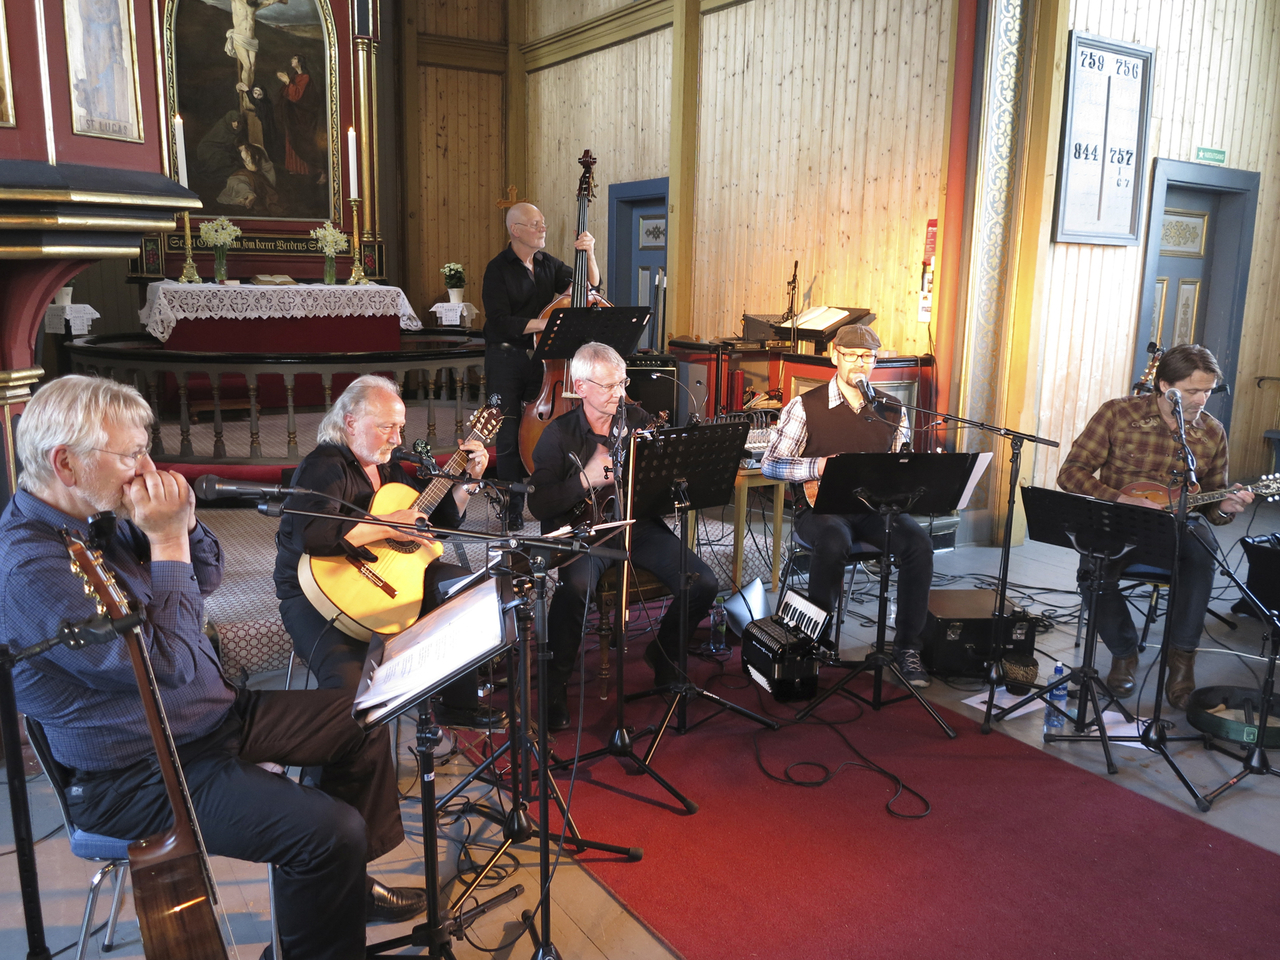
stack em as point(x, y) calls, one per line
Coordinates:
point(1182, 677)
point(1120, 680)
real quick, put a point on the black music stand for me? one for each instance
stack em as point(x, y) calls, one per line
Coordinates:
point(890, 484)
point(1111, 536)
point(570, 327)
point(686, 468)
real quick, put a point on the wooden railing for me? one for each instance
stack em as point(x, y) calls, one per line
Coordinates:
point(166, 378)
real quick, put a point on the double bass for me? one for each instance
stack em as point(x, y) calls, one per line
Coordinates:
point(556, 396)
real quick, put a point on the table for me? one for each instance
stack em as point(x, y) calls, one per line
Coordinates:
point(748, 478)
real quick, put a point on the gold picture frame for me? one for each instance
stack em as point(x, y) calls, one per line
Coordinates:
point(7, 117)
point(102, 66)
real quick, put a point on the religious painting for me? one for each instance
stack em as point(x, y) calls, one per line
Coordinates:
point(102, 62)
point(253, 81)
point(6, 76)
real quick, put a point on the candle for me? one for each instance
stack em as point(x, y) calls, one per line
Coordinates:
point(351, 163)
point(180, 149)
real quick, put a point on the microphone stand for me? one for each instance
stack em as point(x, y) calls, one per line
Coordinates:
point(1001, 625)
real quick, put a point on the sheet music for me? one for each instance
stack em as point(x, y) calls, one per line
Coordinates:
point(979, 468)
point(436, 648)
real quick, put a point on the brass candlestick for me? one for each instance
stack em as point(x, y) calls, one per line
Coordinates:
point(189, 274)
point(357, 269)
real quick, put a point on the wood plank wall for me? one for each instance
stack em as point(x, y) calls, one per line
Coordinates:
point(617, 104)
point(821, 141)
point(552, 16)
point(1217, 84)
point(462, 155)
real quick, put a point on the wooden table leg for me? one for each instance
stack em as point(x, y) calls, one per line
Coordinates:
point(741, 494)
point(779, 494)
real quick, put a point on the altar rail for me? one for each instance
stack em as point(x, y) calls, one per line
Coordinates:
point(137, 359)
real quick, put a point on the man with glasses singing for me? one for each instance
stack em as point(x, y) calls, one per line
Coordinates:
point(571, 464)
point(519, 283)
point(82, 442)
point(831, 420)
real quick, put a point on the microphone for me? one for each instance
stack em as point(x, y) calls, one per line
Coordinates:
point(401, 455)
point(1174, 396)
point(209, 487)
point(864, 388)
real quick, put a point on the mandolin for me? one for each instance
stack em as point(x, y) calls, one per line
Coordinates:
point(1167, 497)
point(556, 396)
point(173, 891)
point(384, 595)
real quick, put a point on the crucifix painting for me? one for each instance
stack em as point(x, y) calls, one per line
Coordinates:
point(259, 107)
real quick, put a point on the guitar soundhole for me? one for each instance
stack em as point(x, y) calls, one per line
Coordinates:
point(403, 546)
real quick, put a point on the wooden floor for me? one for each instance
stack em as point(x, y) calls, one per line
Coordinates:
point(587, 921)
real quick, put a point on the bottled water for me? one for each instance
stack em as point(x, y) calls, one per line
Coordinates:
point(1053, 720)
point(719, 642)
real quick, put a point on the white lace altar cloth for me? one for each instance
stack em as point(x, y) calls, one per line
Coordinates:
point(169, 301)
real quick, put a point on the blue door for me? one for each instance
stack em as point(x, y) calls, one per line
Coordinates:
point(638, 248)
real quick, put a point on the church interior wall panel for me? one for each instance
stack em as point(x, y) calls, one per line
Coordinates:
point(468, 19)
point(617, 104)
point(546, 17)
point(1216, 84)
point(461, 170)
point(836, 162)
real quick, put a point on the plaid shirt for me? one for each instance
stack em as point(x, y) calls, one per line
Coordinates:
point(782, 458)
point(1127, 441)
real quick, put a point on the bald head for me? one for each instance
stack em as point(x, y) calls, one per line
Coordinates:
point(522, 213)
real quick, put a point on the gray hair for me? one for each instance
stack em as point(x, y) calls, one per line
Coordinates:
point(355, 401)
point(591, 355)
point(72, 411)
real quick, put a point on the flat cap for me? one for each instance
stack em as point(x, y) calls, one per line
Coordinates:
point(854, 336)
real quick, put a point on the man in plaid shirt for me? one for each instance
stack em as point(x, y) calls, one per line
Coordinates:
point(1134, 440)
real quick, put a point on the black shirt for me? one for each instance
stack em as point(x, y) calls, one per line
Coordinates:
point(512, 297)
point(558, 484)
point(333, 469)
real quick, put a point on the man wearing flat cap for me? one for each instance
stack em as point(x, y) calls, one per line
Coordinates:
point(831, 420)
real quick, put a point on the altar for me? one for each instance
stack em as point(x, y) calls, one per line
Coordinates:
point(300, 318)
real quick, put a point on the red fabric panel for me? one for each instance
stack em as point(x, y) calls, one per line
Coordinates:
point(287, 335)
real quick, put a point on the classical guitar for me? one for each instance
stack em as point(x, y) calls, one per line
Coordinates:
point(173, 891)
point(385, 595)
point(1167, 497)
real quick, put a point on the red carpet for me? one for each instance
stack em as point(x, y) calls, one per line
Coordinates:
point(1022, 855)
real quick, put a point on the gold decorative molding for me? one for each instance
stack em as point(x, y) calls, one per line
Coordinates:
point(82, 196)
point(15, 388)
point(60, 252)
point(56, 221)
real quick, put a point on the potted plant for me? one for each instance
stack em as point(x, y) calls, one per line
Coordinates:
point(219, 234)
point(455, 280)
point(331, 242)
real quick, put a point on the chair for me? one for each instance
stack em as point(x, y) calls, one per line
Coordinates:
point(797, 549)
point(1149, 577)
point(112, 853)
point(642, 586)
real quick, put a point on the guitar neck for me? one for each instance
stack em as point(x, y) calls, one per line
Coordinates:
point(435, 491)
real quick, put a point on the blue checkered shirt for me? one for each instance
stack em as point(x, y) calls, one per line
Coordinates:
point(88, 699)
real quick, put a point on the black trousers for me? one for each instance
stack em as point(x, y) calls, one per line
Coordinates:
point(653, 547)
point(320, 837)
point(832, 537)
point(515, 380)
point(337, 660)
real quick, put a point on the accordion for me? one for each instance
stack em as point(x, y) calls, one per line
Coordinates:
point(781, 652)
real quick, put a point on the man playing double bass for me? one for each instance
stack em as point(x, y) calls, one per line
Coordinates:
point(1133, 440)
point(519, 284)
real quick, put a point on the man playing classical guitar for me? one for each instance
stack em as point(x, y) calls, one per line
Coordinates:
point(1132, 440)
point(519, 283)
point(572, 463)
point(835, 419)
point(83, 443)
point(352, 462)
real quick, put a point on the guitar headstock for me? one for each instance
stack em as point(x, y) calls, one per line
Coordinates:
point(586, 182)
point(99, 583)
point(485, 422)
point(1268, 486)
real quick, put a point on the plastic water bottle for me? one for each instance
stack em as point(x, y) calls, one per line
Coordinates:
point(1053, 720)
point(719, 642)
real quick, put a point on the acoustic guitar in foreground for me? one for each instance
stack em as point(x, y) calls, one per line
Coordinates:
point(385, 595)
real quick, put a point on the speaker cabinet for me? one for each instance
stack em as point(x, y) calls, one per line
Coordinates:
point(958, 639)
point(655, 383)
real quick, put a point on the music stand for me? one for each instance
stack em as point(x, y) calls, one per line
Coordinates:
point(889, 484)
point(570, 327)
point(686, 468)
point(1112, 536)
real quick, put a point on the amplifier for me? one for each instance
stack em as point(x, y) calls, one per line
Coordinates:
point(654, 383)
point(958, 638)
point(1263, 580)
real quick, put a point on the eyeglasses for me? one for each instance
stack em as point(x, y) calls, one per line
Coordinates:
point(538, 225)
point(864, 356)
point(610, 387)
point(129, 460)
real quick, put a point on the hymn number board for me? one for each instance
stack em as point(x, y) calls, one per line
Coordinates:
point(1102, 166)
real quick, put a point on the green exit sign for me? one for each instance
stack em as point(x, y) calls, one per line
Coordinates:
point(1210, 155)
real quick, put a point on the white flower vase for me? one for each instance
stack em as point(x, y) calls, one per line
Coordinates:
point(63, 297)
point(455, 294)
